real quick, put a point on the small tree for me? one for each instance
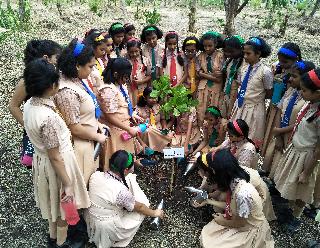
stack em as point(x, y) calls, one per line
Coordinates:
point(192, 15)
point(232, 9)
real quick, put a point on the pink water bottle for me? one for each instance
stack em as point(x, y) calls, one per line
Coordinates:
point(70, 212)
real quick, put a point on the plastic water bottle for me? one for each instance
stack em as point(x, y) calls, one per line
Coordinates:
point(125, 136)
point(70, 212)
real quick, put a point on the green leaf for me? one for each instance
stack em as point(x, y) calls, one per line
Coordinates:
point(154, 93)
point(176, 112)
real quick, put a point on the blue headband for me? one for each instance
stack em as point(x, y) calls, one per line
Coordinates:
point(78, 49)
point(300, 65)
point(287, 52)
point(256, 41)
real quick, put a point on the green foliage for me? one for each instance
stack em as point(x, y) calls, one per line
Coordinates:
point(11, 19)
point(279, 3)
point(95, 6)
point(214, 3)
point(152, 17)
point(255, 3)
point(302, 5)
point(175, 100)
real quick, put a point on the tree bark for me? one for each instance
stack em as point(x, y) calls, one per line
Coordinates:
point(231, 7)
point(22, 8)
point(245, 2)
point(283, 26)
point(315, 7)
point(192, 15)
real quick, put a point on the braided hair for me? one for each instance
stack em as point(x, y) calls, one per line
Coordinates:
point(172, 35)
point(244, 129)
point(119, 162)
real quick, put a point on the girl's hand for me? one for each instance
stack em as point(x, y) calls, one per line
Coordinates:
point(102, 127)
point(138, 119)
point(276, 131)
point(279, 145)
point(68, 194)
point(196, 204)
point(303, 178)
point(186, 150)
point(101, 138)
point(133, 131)
point(158, 213)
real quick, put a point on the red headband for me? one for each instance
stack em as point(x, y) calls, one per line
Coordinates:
point(236, 126)
point(134, 39)
point(314, 78)
point(172, 32)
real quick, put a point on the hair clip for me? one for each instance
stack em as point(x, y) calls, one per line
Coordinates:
point(287, 52)
point(300, 65)
point(116, 26)
point(314, 78)
point(256, 41)
point(236, 126)
point(99, 38)
point(191, 42)
point(150, 29)
point(239, 38)
point(78, 49)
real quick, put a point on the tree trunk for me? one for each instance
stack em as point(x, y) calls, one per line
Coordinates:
point(315, 7)
point(283, 26)
point(192, 15)
point(231, 7)
point(22, 10)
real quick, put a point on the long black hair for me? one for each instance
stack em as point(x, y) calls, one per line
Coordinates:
point(214, 36)
point(225, 168)
point(74, 54)
point(119, 162)
point(142, 102)
point(244, 129)
point(172, 35)
point(38, 48)
point(120, 65)
point(95, 39)
point(39, 75)
point(259, 45)
point(149, 30)
point(117, 28)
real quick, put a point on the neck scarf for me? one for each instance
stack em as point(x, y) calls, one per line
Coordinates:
point(299, 118)
point(153, 64)
point(173, 70)
point(192, 75)
point(209, 70)
point(94, 99)
point(243, 87)
point(232, 73)
point(287, 114)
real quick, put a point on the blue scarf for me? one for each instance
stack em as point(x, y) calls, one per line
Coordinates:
point(287, 114)
point(243, 88)
point(94, 99)
point(125, 95)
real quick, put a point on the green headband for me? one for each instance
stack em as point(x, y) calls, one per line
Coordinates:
point(150, 29)
point(238, 37)
point(129, 162)
point(116, 26)
point(214, 34)
point(214, 111)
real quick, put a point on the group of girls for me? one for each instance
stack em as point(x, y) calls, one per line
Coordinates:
point(98, 90)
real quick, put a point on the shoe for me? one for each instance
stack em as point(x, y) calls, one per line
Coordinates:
point(148, 162)
point(51, 243)
point(293, 226)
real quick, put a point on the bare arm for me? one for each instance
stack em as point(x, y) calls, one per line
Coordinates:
point(188, 135)
point(309, 167)
point(143, 209)
point(83, 132)
point(16, 101)
point(145, 80)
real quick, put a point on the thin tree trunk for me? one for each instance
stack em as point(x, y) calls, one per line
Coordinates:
point(245, 2)
point(22, 8)
point(192, 15)
point(231, 7)
point(283, 26)
point(315, 7)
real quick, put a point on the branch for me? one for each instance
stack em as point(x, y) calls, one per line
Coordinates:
point(245, 2)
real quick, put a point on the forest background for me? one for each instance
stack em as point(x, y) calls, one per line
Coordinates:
point(277, 21)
